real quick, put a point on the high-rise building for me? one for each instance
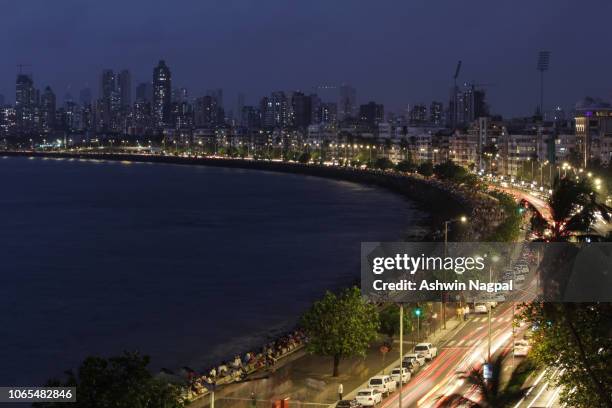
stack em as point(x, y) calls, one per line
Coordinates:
point(25, 102)
point(179, 95)
point(347, 102)
point(371, 114)
point(328, 113)
point(218, 95)
point(109, 102)
point(275, 110)
point(418, 115)
point(239, 105)
point(47, 105)
point(162, 94)
point(206, 112)
point(144, 92)
point(301, 107)
point(436, 113)
point(8, 119)
point(251, 118)
point(124, 85)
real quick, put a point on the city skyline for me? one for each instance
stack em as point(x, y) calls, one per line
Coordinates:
point(251, 50)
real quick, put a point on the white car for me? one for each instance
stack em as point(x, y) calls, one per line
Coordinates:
point(405, 373)
point(368, 397)
point(427, 350)
point(521, 348)
point(481, 308)
point(383, 384)
point(419, 358)
point(499, 298)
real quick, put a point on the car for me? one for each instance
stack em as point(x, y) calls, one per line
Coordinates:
point(383, 384)
point(348, 404)
point(405, 373)
point(521, 348)
point(368, 397)
point(411, 364)
point(519, 278)
point(427, 350)
point(499, 298)
point(481, 308)
point(419, 359)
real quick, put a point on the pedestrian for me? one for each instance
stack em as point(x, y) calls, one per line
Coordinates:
point(253, 400)
point(340, 391)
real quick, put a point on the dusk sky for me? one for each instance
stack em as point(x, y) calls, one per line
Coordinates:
point(394, 52)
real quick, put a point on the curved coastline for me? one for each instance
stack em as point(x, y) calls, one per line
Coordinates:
point(437, 199)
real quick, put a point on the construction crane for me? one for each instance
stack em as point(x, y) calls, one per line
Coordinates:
point(457, 71)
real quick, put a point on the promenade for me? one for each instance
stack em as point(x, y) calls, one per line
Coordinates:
point(307, 381)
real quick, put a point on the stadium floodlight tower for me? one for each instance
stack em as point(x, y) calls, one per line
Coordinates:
point(543, 61)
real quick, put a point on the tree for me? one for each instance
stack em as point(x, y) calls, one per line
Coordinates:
point(492, 393)
point(117, 382)
point(405, 165)
point(575, 337)
point(304, 158)
point(389, 321)
point(450, 171)
point(383, 163)
point(573, 205)
point(426, 169)
point(340, 326)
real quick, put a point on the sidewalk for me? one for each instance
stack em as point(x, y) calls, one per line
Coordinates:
point(307, 380)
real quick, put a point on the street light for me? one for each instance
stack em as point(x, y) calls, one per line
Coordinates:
point(401, 352)
point(417, 313)
point(462, 219)
point(494, 259)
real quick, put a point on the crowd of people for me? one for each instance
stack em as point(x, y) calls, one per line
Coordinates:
point(242, 365)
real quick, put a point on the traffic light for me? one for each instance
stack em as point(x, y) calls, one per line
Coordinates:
point(417, 312)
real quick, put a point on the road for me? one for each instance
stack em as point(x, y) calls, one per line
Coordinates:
point(600, 227)
point(540, 393)
point(466, 348)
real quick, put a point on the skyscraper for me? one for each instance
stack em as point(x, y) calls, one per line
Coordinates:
point(47, 104)
point(371, 114)
point(108, 104)
point(347, 102)
point(162, 94)
point(435, 113)
point(301, 106)
point(124, 85)
point(25, 101)
point(418, 114)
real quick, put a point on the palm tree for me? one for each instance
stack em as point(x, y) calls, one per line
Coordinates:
point(573, 205)
point(492, 393)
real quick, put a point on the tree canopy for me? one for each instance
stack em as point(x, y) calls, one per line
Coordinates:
point(426, 169)
point(341, 325)
point(575, 337)
point(117, 382)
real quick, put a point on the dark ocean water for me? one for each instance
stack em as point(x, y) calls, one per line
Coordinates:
point(187, 264)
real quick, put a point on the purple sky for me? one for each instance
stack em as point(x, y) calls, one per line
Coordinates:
point(394, 52)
